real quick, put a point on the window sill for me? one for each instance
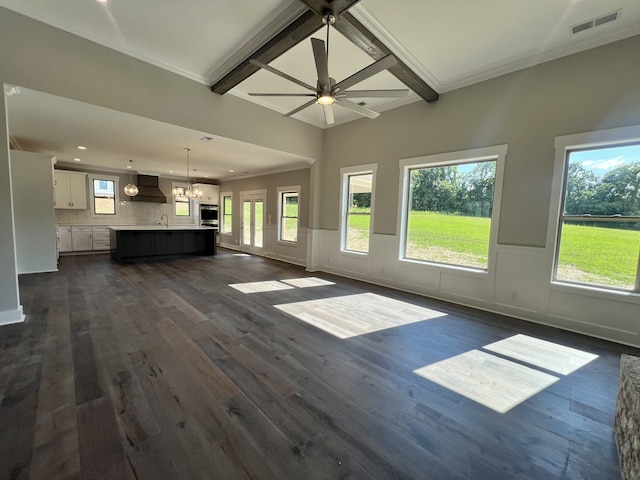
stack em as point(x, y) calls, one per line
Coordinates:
point(352, 253)
point(287, 243)
point(446, 266)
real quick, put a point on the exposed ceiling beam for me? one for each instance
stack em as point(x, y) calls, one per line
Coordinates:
point(302, 27)
point(305, 25)
point(360, 36)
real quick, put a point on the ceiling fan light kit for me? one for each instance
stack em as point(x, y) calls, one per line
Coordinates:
point(327, 91)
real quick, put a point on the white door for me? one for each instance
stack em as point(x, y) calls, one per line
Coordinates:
point(252, 221)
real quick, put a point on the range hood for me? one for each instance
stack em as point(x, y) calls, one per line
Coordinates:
point(148, 190)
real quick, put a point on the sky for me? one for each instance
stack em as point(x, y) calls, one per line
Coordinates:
point(602, 160)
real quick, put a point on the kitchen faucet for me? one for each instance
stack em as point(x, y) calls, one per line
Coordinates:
point(165, 222)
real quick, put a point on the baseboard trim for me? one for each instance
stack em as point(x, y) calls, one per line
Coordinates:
point(9, 317)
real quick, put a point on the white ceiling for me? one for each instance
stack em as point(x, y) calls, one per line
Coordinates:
point(449, 44)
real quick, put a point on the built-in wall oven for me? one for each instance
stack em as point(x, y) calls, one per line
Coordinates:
point(209, 215)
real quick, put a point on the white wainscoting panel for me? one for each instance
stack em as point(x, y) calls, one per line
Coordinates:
point(521, 277)
point(518, 286)
point(469, 285)
point(597, 316)
point(417, 277)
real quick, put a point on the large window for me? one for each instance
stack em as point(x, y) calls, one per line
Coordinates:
point(357, 206)
point(288, 209)
point(448, 207)
point(599, 229)
point(104, 194)
point(227, 215)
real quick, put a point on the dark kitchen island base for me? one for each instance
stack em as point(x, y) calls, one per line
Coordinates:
point(130, 244)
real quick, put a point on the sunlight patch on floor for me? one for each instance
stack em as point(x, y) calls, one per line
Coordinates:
point(306, 282)
point(259, 287)
point(359, 314)
point(501, 384)
point(240, 255)
point(543, 354)
point(489, 380)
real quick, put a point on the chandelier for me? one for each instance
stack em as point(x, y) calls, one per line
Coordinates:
point(190, 191)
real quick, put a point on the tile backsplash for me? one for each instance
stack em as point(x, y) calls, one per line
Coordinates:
point(129, 213)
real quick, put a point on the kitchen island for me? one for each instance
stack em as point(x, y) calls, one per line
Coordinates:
point(148, 242)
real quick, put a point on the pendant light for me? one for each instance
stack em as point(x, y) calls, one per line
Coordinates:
point(190, 191)
point(130, 189)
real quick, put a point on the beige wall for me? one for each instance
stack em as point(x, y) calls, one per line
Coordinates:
point(43, 58)
point(271, 184)
point(10, 308)
point(594, 90)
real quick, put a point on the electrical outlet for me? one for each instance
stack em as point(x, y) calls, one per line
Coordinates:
point(514, 296)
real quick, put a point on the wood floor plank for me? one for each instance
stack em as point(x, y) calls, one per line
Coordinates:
point(55, 443)
point(161, 370)
point(101, 451)
point(20, 397)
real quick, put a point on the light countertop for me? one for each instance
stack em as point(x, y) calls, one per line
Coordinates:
point(160, 227)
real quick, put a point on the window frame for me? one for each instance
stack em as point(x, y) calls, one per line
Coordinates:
point(461, 157)
point(345, 174)
point(223, 214)
point(281, 192)
point(92, 197)
point(175, 201)
point(564, 146)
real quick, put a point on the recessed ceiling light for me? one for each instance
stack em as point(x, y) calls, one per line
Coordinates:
point(170, 171)
point(80, 147)
point(129, 166)
point(232, 171)
point(77, 160)
point(206, 176)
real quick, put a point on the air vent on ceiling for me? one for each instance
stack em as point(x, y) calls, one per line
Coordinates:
point(609, 17)
point(596, 22)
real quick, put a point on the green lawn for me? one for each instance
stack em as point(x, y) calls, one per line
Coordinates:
point(603, 256)
point(588, 254)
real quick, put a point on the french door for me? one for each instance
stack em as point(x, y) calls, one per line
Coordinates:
point(252, 222)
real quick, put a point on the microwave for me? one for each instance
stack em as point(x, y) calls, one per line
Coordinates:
point(209, 215)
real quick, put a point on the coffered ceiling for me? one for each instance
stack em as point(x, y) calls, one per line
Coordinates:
point(447, 45)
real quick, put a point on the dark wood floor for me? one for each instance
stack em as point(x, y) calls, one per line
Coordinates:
point(160, 370)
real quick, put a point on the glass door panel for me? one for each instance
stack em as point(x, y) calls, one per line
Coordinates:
point(252, 238)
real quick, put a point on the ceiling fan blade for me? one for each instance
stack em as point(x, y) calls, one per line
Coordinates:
point(357, 108)
point(282, 74)
point(322, 64)
point(374, 93)
point(282, 94)
point(328, 114)
point(301, 107)
point(377, 67)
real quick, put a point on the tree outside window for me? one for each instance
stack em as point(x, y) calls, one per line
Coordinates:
point(357, 207)
point(599, 233)
point(227, 215)
point(289, 209)
point(449, 213)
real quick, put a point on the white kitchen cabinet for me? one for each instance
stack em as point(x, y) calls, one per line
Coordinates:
point(210, 193)
point(70, 190)
point(81, 238)
point(101, 240)
point(63, 236)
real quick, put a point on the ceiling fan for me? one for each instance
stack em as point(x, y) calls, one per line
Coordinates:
point(327, 91)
